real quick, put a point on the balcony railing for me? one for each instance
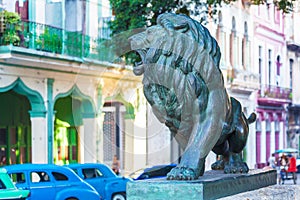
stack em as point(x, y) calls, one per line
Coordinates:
point(47, 38)
point(270, 91)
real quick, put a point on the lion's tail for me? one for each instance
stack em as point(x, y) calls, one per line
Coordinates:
point(251, 118)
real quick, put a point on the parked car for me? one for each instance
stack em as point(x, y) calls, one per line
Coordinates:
point(157, 171)
point(103, 179)
point(8, 190)
point(50, 182)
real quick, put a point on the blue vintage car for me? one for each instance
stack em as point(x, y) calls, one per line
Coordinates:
point(51, 182)
point(103, 179)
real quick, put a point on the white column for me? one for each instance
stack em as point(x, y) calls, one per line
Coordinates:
point(81, 144)
point(129, 146)
point(272, 142)
point(263, 143)
point(89, 139)
point(99, 140)
point(251, 147)
point(39, 140)
point(281, 135)
point(227, 49)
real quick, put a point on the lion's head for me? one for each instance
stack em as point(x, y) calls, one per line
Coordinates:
point(179, 42)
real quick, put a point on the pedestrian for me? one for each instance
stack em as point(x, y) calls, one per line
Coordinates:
point(116, 165)
point(292, 164)
point(272, 161)
point(3, 160)
point(284, 162)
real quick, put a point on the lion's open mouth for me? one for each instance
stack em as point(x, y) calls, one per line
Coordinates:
point(139, 66)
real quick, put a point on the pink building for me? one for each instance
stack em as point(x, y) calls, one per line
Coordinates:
point(275, 90)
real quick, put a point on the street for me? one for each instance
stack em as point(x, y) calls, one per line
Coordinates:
point(291, 182)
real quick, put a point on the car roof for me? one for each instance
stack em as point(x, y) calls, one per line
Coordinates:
point(30, 166)
point(3, 170)
point(86, 164)
point(155, 167)
point(108, 171)
point(36, 167)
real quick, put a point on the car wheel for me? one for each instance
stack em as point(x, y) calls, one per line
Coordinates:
point(72, 198)
point(120, 196)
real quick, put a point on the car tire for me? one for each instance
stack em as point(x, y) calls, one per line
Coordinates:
point(120, 196)
point(72, 198)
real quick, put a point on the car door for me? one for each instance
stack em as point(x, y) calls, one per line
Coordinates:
point(41, 185)
point(95, 178)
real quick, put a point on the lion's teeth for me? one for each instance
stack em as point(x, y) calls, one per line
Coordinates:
point(136, 64)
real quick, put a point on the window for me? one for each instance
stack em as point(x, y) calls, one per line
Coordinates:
point(2, 186)
point(18, 177)
point(36, 177)
point(91, 173)
point(59, 176)
point(233, 49)
point(260, 63)
point(270, 65)
point(291, 72)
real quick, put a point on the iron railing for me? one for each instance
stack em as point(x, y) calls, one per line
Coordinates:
point(277, 92)
point(47, 38)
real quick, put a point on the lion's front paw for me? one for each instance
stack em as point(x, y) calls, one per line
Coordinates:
point(236, 167)
point(182, 173)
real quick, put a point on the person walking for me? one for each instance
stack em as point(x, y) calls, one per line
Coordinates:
point(116, 165)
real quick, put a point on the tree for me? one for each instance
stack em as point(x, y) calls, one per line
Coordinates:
point(133, 14)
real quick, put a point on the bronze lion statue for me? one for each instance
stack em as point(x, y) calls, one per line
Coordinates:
point(184, 85)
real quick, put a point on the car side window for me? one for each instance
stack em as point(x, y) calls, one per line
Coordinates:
point(91, 173)
point(36, 177)
point(2, 186)
point(59, 176)
point(18, 177)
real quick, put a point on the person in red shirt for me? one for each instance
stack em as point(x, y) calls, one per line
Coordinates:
point(292, 164)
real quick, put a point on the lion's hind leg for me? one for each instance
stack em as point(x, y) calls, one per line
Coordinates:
point(236, 164)
point(237, 142)
point(222, 150)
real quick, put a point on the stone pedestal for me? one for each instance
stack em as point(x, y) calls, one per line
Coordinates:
point(213, 185)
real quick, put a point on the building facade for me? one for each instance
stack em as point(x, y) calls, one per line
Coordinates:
point(274, 93)
point(255, 68)
point(59, 101)
point(293, 62)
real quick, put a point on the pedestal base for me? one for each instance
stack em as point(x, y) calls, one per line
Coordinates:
point(214, 184)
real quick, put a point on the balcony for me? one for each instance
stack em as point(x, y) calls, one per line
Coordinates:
point(269, 94)
point(242, 81)
point(45, 38)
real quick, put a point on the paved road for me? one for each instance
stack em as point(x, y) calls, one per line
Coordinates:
point(290, 182)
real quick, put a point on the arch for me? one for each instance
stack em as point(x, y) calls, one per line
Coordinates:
point(38, 108)
point(128, 106)
point(88, 106)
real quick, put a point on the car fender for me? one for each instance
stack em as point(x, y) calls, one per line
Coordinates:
point(78, 193)
point(117, 186)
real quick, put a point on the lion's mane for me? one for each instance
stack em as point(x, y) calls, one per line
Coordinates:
point(180, 66)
